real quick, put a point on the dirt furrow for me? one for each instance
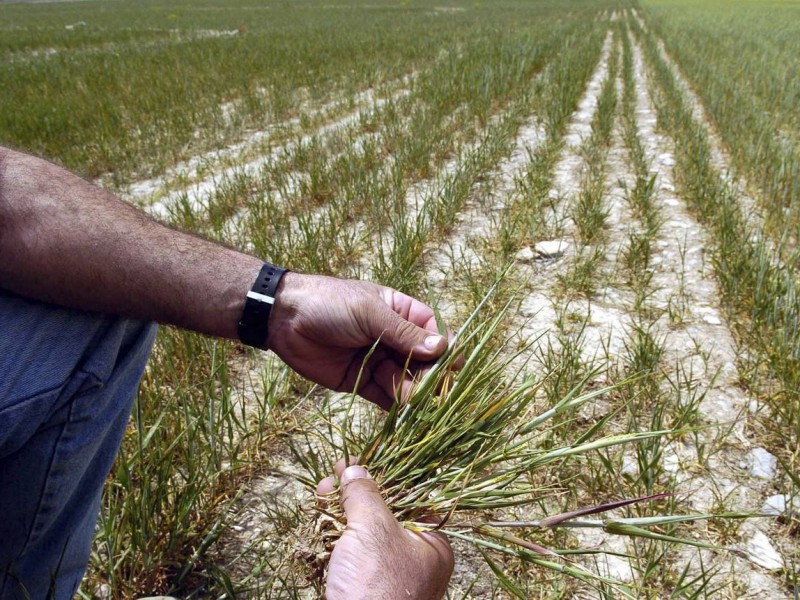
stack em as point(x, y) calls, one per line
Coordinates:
point(720, 158)
point(541, 306)
point(569, 169)
point(718, 467)
point(546, 310)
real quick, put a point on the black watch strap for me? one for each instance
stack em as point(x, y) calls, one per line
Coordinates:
point(258, 305)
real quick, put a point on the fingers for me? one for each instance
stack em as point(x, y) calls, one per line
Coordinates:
point(415, 311)
point(380, 379)
point(362, 502)
point(376, 547)
point(407, 326)
point(385, 377)
point(340, 466)
point(326, 486)
point(422, 316)
point(438, 553)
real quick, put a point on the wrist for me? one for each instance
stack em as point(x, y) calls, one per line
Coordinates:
point(288, 297)
point(253, 326)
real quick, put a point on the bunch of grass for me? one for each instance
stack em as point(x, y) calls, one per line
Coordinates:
point(467, 444)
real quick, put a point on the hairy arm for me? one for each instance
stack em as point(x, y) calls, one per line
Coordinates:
point(68, 242)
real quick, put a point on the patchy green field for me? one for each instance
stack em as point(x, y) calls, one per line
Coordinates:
point(636, 165)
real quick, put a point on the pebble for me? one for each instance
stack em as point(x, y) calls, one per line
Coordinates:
point(103, 591)
point(551, 248)
point(761, 551)
point(761, 463)
point(781, 505)
point(630, 466)
point(538, 306)
point(525, 255)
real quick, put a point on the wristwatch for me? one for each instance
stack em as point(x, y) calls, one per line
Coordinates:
point(258, 305)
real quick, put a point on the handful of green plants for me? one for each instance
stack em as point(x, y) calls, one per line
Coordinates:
point(467, 443)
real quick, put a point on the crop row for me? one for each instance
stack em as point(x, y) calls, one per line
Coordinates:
point(744, 65)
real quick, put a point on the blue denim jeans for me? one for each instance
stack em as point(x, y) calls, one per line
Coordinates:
point(67, 383)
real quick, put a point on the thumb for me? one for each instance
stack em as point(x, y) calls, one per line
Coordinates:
point(362, 502)
point(406, 338)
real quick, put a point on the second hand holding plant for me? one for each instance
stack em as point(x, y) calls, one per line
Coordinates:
point(456, 450)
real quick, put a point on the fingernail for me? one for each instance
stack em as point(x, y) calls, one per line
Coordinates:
point(354, 472)
point(432, 342)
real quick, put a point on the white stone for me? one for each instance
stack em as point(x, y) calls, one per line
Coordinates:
point(615, 567)
point(712, 319)
point(761, 463)
point(630, 466)
point(525, 255)
point(551, 248)
point(761, 551)
point(103, 591)
point(781, 505)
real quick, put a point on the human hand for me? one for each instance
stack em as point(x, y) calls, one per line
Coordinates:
point(324, 327)
point(376, 557)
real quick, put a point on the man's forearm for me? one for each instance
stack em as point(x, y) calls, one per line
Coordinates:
point(65, 241)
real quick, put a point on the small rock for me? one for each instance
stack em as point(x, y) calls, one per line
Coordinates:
point(781, 505)
point(551, 249)
point(761, 463)
point(761, 551)
point(158, 598)
point(525, 255)
point(712, 319)
point(630, 466)
point(103, 591)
